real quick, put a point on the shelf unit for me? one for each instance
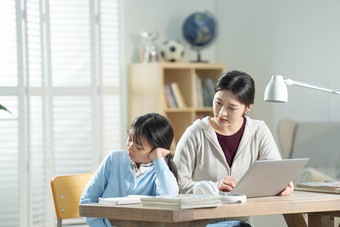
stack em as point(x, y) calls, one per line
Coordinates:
point(146, 90)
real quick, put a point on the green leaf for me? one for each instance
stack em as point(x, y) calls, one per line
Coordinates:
point(4, 108)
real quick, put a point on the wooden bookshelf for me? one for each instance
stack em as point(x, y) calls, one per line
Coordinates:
point(146, 90)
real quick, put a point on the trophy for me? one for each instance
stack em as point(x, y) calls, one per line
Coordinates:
point(151, 53)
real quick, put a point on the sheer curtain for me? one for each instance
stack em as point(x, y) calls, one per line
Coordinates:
point(60, 78)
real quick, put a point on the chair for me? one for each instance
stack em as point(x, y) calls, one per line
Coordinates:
point(66, 192)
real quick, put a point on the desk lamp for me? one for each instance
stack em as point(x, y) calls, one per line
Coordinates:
point(276, 90)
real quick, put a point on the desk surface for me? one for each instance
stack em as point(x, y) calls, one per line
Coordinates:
point(298, 202)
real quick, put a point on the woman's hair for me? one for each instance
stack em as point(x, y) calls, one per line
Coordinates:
point(240, 84)
point(157, 131)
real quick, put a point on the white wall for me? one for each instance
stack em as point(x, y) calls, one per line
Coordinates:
point(298, 39)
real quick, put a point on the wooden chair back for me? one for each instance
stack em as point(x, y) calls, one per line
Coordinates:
point(66, 191)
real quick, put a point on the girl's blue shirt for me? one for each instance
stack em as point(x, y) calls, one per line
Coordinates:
point(115, 178)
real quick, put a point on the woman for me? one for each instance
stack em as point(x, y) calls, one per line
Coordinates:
point(220, 149)
point(145, 168)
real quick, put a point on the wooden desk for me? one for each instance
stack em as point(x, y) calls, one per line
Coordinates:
point(316, 205)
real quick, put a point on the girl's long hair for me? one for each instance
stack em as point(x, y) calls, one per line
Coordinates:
point(157, 130)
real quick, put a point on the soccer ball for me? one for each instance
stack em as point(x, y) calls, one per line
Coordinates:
point(172, 51)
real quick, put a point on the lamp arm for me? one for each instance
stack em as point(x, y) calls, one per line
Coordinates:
point(302, 84)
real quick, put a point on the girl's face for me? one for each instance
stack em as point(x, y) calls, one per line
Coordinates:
point(138, 153)
point(227, 109)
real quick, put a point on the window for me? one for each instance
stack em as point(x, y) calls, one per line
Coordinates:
point(59, 77)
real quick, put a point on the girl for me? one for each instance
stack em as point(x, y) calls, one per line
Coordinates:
point(146, 168)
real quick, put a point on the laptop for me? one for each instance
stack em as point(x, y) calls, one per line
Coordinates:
point(268, 177)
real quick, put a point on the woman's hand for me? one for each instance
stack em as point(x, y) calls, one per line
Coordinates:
point(227, 184)
point(158, 153)
point(288, 190)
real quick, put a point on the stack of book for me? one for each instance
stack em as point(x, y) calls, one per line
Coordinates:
point(182, 201)
point(322, 186)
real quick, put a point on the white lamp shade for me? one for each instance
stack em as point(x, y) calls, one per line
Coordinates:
point(276, 90)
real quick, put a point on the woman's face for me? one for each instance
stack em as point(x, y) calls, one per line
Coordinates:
point(138, 153)
point(227, 109)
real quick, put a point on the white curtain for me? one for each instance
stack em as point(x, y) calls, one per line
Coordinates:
point(60, 78)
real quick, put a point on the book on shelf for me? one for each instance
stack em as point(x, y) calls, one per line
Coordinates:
point(199, 93)
point(182, 201)
point(130, 199)
point(204, 91)
point(320, 186)
point(178, 95)
point(208, 91)
point(169, 97)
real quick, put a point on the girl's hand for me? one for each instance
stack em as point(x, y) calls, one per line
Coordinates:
point(227, 184)
point(288, 190)
point(158, 153)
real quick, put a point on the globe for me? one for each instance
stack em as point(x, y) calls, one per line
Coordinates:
point(199, 30)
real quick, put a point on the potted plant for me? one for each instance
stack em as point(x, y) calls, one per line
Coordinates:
point(4, 108)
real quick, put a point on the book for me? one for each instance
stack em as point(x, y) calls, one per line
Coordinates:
point(178, 95)
point(321, 186)
point(207, 91)
point(169, 96)
point(198, 92)
point(130, 199)
point(182, 201)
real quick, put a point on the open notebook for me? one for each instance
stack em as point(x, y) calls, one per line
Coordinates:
point(130, 199)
